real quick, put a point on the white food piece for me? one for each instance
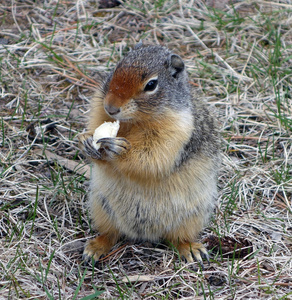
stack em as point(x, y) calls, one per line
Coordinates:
point(107, 129)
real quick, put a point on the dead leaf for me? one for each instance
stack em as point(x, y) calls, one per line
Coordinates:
point(238, 247)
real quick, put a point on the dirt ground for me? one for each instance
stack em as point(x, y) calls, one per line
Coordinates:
point(52, 54)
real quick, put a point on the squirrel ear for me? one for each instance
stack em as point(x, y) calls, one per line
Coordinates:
point(177, 65)
point(138, 45)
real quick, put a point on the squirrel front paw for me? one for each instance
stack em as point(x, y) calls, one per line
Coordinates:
point(113, 147)
point(86, 145)
point(109, 148)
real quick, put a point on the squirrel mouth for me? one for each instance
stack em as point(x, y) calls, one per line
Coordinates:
point(126, 120)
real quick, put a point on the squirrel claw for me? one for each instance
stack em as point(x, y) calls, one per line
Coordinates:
point(90, 150)
point(86, 259)
point(92, 252)
point(91, 260)
point(193, 250)
point(205, 255)
point(97, 248)
point(114, 146)
point(86, 145)
point(109, 147)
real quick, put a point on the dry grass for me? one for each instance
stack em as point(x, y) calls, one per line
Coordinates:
point(239, 58)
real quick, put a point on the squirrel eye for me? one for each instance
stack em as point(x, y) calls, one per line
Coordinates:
point(151, 85)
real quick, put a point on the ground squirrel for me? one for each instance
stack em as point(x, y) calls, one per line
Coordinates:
point(157, 180)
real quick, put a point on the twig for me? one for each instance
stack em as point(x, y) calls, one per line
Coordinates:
point(112, 253)
point(79, 72)
point(89, 85)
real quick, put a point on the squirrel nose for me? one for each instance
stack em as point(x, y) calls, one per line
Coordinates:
point(112, 110)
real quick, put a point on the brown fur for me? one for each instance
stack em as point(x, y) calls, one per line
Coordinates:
point(140, 185)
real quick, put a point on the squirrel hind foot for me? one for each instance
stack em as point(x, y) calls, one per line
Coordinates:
point(97, 248)
point(191, 251)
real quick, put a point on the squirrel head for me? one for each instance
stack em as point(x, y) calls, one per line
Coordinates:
point(146, 82)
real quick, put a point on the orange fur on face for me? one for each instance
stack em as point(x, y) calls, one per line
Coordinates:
point(125, 84)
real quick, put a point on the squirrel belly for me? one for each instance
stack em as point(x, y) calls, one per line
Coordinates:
point(175, 206)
